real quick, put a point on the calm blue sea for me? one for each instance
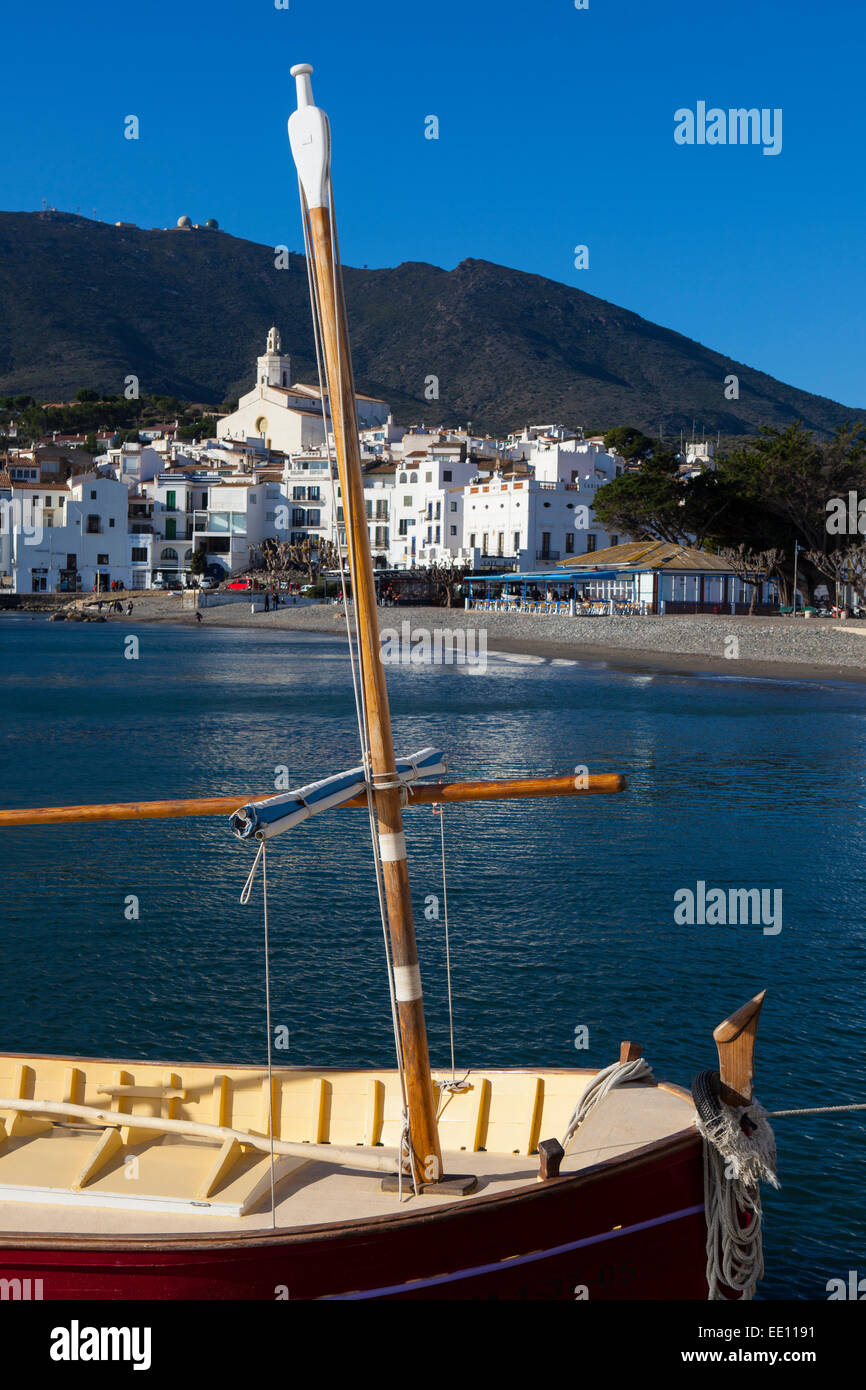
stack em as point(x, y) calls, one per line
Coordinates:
point(562, 913)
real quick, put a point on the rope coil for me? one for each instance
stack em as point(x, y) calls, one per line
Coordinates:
point(617, 1074)
point(739, 1154)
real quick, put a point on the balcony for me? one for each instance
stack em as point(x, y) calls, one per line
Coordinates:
point(547, 554)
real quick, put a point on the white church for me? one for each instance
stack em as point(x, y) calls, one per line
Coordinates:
point(287, 418)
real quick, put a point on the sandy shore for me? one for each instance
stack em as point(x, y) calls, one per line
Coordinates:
point(783, 648)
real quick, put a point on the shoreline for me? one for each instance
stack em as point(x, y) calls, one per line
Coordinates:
point(769, 649)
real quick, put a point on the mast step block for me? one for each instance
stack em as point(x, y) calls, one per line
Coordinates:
point(454, 1185)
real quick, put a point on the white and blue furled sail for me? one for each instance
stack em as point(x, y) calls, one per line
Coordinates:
point(264, 819)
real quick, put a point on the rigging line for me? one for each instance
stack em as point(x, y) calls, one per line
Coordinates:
point(355, 652)
point(268, 1021)
point(323, 392)
point(441, 813)
point(364, 717)
point(817, 1110)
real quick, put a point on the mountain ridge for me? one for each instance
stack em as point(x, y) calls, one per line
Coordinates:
point(87, 303)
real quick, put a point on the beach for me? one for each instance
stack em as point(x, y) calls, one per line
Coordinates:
point(780, 648)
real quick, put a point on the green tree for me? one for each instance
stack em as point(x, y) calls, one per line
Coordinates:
point(85, 395)
point(198, 562)
point(629, 443)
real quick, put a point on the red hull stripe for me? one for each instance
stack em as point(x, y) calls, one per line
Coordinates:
point(515, 1260)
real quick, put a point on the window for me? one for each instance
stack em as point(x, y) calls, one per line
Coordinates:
point(170, 529)
point(407, 501)
point(472, 541)
point(501, 544)
point(414, 478)
point(516, 541)
point(403, 527)
point(438, 510)
point(428, 477)
point(446, 475)
point(169, 555)
point(590, 542)
point(614, 540)
point(569, 542)
point(253, 498)
point(47, 501)
point(102, 559)
point(92, 495)
point(170, 500)
point(438, 534)
point(93, 527)
point(111, 521)
point(484, 544)
point(454, 530)
point(139, 555)
point(453, 506)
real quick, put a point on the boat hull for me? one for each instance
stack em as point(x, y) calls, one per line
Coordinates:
point(629, 1228)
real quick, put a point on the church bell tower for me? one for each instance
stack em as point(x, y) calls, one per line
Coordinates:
point(274, 366)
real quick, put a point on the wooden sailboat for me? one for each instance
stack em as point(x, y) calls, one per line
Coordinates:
point(122, 1178)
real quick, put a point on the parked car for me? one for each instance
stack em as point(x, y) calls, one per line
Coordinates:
point(207, 583)
point(245, 585)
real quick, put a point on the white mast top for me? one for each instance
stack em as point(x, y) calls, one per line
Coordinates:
point(310, 139)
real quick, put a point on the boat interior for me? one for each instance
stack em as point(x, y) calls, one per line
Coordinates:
point(102, 1147)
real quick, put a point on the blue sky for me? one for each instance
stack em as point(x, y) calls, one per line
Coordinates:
point(556, 129)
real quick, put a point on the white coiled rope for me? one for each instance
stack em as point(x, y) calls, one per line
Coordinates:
point(735, 1164)
point(615, 1075)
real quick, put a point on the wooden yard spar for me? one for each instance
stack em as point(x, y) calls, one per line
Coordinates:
point(309, 136)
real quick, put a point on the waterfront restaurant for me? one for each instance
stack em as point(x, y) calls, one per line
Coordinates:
point(639, 577)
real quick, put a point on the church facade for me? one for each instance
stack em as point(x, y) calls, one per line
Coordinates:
point(287, 417)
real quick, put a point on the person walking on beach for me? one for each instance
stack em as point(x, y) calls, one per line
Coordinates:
point(267, 602)
point(198, 616)
point(129, 608)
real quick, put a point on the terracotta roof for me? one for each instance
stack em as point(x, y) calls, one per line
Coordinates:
point(649, 555)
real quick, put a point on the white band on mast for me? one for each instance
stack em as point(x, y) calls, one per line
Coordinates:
point(392, 847)
point(407, 983)
point(310, 139)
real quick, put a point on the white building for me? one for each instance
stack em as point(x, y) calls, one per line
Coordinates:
point(287, 418)
point(529, 520)
point(70, 537)
point(428, 502)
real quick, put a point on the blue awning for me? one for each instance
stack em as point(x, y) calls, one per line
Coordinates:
point(547, 576)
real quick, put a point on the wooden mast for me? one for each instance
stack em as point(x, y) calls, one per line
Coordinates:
point(309, 135)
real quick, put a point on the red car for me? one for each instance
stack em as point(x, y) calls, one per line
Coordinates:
point(245, 584)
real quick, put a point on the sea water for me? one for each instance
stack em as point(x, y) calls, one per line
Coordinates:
point(128, 939)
